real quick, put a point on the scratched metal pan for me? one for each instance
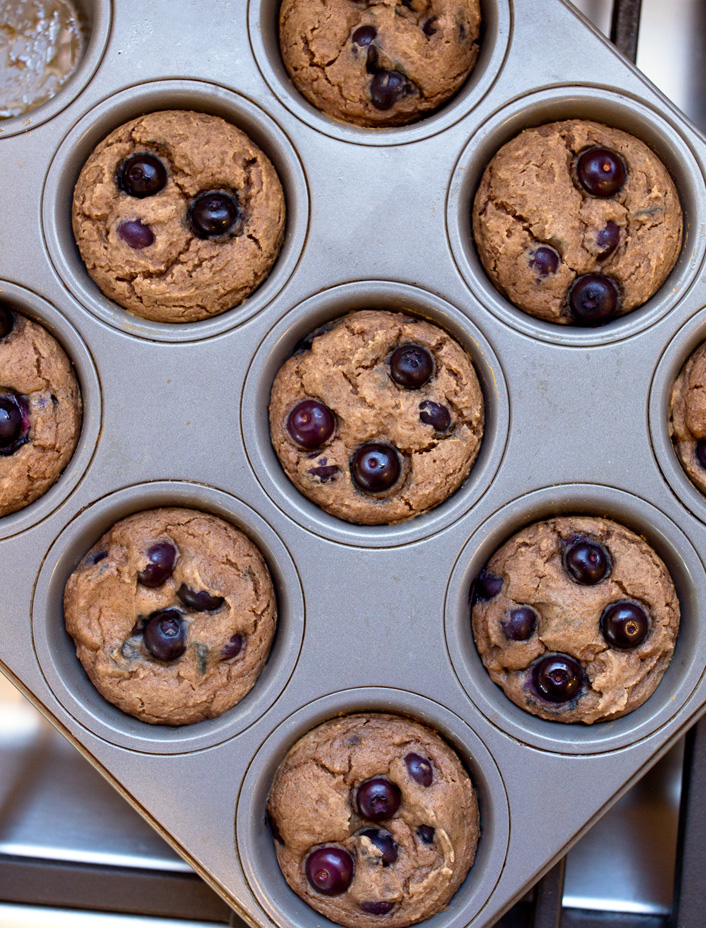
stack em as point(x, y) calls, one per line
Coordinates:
point(177, 415)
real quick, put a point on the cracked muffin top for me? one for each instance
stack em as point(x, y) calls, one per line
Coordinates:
point(576, 619)
point(576, 222)
point(374, 815)
point(377, 417)
point(173, 613)
point(379, 62)
point(178, 216)
point(40, 410)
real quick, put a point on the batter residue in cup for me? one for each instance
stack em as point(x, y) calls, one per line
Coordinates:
point(41, 43)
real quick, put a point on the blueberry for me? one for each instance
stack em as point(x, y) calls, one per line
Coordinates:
point(485, 587)
point(372, 62)
point(375, 467)
point(558, 677)
point(161, 558)
point(233, 648)
point(545, 261)
point(607, 240)
point(593, 299)
point(201, 601)
point(377, 799)
point(521, 624)
point(435, 415)
point(142, 175)
point(428, 28)
point(377, 908)
point(98, 557)
point(411, 366)
point(11, 423)
point(384, 842)
point(324, 472)
point(135, 234)
point(587, 562)
point(329, 870)
point(425, 833)
point(386, 88)
point(7, 321)
point(213, 214)
point(624, 624)
point(165, 635)
point(419, 769)
point(700, 451)
point(364, 35)
point(601, 171)
point(310, 424)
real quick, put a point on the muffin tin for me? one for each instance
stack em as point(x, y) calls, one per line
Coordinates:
point(371, 618)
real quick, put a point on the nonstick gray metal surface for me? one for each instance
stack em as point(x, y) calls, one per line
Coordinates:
point(371, 617)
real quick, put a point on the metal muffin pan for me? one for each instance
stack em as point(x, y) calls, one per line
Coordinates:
point(370, 617)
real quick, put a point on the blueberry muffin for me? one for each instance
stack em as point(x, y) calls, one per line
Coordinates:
point(688, 417)
point(40, 411)
point(375, 820)
point(378, 417)
point(576, 222)
point(576, 619)
point(173, 613)
point(178, 216)
point(381, 62)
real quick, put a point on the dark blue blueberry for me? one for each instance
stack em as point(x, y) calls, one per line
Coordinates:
point(485, 587)
point(98, 557)
point(419, 769)
point(386, 88)
point(557, 678)
point(310, 424)
point(165, 634)
point(428, 28)
point(545, 261)
point(521, 624)
point(593, 299)
point(233, 648)
point(425, 833)
point(7, 320)
point(435, 415)
point(375, 467)
point(324, 472)
point(384, 842)
point(364, 35)
point(201, 601)
point(411, 366)
point(586, 562)
point(601, 171)
point(161, 558)
point(329, 870)
point(624, 624)
point(377, 799)
point(607, 239)
point(11, 423)
point(135, 234)
point(700, 452)
point(377, 908)
point(213, 214)
point(142, 175)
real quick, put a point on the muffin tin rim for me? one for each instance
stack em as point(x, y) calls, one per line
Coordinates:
point(493, 133)
point(54, 649)
point(485, 775)
point(460, 105)
point(125, 104)
point(399, 297)
point(685, 568)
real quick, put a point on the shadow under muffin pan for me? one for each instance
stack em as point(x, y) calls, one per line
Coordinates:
point(121, 108)
point(619, 112)
point(495, 37)
point(39, 310)
point(97, 15)
point(56, 651)
point(281, 342)
point(254, 837)
point(371, 618)
point(675, 356)
point(688, 576)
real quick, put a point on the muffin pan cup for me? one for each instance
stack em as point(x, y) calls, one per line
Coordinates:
point(371, 618)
